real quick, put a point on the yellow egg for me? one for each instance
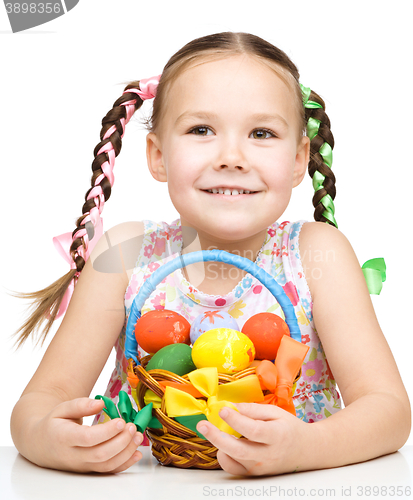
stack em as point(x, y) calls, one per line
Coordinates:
point(230, 351)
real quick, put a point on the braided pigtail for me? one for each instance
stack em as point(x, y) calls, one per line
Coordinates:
point(51, 302)
point(113, 129)
point(321, 156)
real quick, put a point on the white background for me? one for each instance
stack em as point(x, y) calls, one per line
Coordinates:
point(60, 79)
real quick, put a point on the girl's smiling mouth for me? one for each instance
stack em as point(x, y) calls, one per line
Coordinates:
point(227, 191)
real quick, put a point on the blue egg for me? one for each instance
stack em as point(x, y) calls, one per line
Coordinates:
point(209, 320)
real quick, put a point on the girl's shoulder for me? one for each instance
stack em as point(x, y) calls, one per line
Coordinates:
point(321, 236)
point(117, 249)
point(325, 253)
point(120, 247)
point(118, 234)
point(127, 230)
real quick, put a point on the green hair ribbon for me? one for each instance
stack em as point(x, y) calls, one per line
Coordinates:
point(325, 151)
point(374, 271)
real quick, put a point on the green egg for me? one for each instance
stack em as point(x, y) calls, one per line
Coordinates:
point(175, 358)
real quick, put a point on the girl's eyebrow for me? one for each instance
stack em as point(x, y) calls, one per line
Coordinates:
point(270, 117)
point(259, 117)
point(200, 115)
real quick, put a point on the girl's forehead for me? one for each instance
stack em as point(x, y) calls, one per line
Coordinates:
point(235, 80)
point(226, 72)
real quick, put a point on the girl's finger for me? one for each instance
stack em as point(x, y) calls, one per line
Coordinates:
point(78, 408)
point(238, 449)
point(85, 436)
point(127, 440)
point(262, 412)
point(118, 461)
point(133, 459)
point(254, 430)
point(230, 465)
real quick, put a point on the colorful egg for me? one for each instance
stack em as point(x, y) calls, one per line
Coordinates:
point(266, 330)
point(210, 320)
point(229, 350)
point(175, 358)
point(158, 328)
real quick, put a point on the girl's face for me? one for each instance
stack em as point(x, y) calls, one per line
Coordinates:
point(229, 148)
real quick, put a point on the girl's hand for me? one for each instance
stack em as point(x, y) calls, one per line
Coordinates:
point(66, 444)
point(274, 440)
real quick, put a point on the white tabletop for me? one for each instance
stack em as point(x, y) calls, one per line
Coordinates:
point(385, 477)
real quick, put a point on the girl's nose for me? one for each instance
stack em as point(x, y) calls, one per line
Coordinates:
point(232, 157)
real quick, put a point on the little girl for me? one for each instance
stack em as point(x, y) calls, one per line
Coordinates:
point(232, 132)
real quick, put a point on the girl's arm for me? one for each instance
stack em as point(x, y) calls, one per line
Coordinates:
point(376, 419)
point(46, 421)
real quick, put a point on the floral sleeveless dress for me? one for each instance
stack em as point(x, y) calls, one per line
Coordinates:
point(316, 395)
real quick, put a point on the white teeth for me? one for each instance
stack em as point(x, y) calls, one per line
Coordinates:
point(228, 192)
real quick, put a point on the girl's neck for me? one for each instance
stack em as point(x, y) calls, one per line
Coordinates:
point(194, 240)
point(218, 278)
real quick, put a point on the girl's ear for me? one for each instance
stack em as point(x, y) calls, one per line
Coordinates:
point(154, 157)
point(301, 160)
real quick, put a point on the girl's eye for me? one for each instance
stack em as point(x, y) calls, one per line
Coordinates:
point(201, 131)
point(262, 133)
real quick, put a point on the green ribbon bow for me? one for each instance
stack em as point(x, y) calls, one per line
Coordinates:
point(141, 419)
point(374, 271)
point(325, 151)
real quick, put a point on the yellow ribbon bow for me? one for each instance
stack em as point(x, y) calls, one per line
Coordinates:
point(245, 390)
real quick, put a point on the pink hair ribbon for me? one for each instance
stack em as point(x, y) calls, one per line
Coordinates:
point(147, 87)
point(62, 244)
point(147, 90)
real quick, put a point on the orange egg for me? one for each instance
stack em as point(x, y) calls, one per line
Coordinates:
point(159, 328)
point(265, 330)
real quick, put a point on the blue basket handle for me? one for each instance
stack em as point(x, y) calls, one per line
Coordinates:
point(131, 345)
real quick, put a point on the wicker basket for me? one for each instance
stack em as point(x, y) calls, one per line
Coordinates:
point(175, 444)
